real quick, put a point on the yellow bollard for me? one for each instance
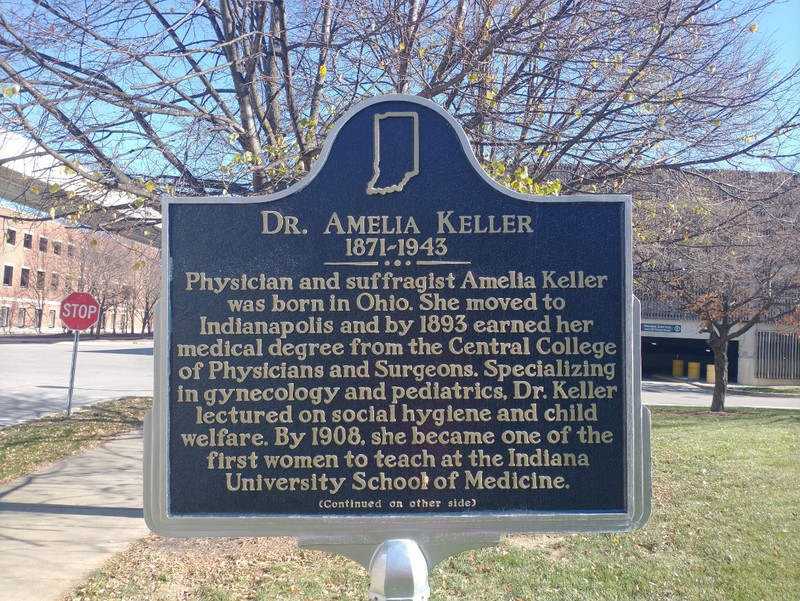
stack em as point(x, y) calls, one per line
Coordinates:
point(711, 374)
point(677, 368)
point(694, 370)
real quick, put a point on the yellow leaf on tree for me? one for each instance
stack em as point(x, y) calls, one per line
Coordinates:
point(323, 70)
point(753, 27)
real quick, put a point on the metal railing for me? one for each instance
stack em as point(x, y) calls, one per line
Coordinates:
point(778, 356)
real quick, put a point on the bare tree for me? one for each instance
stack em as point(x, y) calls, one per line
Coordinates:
point(145, 286)
point(139, 98)
point(728, 253)
point(108, 266)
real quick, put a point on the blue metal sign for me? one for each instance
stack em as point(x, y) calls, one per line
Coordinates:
point(393, 342)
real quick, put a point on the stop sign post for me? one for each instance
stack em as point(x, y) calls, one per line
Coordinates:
point(79, 311)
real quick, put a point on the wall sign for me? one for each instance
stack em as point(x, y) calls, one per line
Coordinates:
point(396, 345)
point(661, 327)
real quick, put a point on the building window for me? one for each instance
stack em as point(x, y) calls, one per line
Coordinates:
point(40, 280)
point(51, 323)
point(4, 317)
point(68, 283)
point(56, 247)
point(11, 237)
point(54, 281)
point(37, 319)
point(21, 318)
point(70, 250)
point(27, 241)
point(42, 244)
point(8, 275)
point(24, 277)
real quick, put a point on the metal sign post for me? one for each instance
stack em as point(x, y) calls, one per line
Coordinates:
point(72, 371)
point(399, 572)
point(79, 311)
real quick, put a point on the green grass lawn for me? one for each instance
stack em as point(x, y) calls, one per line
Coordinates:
point(725, 526)
point(788, 390)
point(26, 447)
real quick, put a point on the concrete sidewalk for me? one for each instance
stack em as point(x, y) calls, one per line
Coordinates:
point(61, 523)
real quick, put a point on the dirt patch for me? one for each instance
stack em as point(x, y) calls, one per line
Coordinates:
point(551, 543)
point(179, 569)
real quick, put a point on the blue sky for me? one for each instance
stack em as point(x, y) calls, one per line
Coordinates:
point(781, 27)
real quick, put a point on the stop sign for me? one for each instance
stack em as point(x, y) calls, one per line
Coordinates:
point(79, 311)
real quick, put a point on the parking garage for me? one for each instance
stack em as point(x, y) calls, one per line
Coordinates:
point(658, 354)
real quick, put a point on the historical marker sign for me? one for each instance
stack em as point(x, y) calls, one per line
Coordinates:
point(397, 345)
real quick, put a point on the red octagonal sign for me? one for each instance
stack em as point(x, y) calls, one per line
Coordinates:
point(79, 311)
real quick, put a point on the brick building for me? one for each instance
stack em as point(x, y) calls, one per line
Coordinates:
point(43, 261)
point(35, 258)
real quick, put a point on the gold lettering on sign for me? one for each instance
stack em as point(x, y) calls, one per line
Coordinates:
point(399, 377)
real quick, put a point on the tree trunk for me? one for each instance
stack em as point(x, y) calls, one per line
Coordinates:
point(720, 350)
point(146, 328)
point(100, 317)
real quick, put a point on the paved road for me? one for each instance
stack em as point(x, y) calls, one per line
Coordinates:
point(34, 376)
point(661, 392)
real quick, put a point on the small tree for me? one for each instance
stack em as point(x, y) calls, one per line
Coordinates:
point(728, 253)
point(147, 287)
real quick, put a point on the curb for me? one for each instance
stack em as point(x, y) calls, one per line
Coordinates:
point(729, 390)
point(55, 338)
